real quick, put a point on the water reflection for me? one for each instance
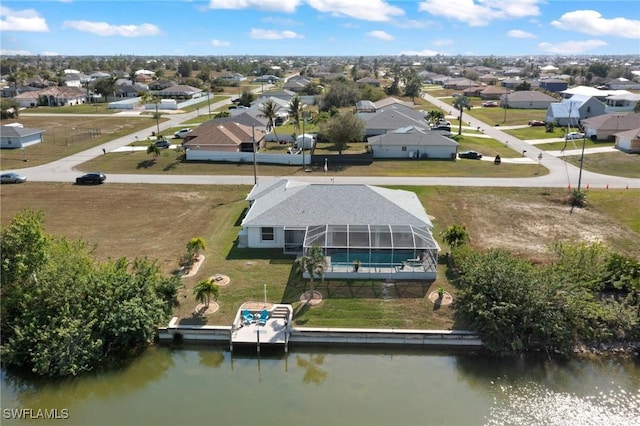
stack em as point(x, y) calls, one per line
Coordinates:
point(310, 365)
point(349, 387)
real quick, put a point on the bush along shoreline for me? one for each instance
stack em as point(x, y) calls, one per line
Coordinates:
point(585, 301)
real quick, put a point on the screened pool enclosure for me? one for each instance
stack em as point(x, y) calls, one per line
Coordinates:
point(398, 251)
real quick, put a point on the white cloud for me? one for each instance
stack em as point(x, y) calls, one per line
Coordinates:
point(592, 23)
point(27, 20)
point(425, 52)
point(288, 6)
point(381, 35)
point(7, 52)
point(272, 34)
point(220, 43)
point(47, 53)
point(366, 10)
point(520, 34)
point(106, 29)
point(482, 12)
point(576, 47)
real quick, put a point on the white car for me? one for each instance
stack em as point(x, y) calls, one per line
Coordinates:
point(180, 133)
point(574, 135)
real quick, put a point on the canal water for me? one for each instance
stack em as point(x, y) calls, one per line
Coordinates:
point(319, 386)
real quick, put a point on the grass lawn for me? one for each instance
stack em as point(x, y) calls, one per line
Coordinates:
point(95, 108)
point(537, 132)
point(65, 136)
point(170, 162)
point(573, 144)
point(616, 163)
point(158, 220)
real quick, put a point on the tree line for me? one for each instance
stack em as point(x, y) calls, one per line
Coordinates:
point(65, 313)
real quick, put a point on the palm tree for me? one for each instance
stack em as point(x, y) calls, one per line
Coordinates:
point(204, 290)
point(195, 245)
point(145, 98)
point(153, 149)
point(314, 263)
point(460, 103)
point(295, 109)
point(434, 116)
point(269, 110)
point(455, 235)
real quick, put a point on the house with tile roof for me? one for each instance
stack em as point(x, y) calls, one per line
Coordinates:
point(527, 99)
point(216, 136)
point(606, 126)
point(388, 231)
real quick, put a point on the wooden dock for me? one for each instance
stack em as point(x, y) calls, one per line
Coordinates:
point(275, 332)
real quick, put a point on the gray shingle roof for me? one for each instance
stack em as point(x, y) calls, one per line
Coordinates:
point(291, 203)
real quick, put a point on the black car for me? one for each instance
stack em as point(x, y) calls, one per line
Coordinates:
point(470, 154)
point(163, 143)
point(94, 178)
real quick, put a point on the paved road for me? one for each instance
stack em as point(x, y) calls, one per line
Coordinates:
point(561, 173)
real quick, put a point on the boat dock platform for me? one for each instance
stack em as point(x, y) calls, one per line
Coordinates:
point(258, 325)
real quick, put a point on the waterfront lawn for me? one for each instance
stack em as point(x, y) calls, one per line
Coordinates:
point(157, 221)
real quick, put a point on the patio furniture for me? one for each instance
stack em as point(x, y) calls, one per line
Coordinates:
point(264, 316)
point(247, 317)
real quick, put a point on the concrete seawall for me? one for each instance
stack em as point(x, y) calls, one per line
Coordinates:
point(331, 336)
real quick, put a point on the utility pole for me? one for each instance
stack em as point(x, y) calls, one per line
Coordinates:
point(255, 169)
point(584, 140)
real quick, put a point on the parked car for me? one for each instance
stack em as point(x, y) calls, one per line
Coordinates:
point(163, 143)
point(490, 104)
point(180, 133)
point(574, 135)
point(470, 154)
point(94, 178)
point(534, 123)
point(12, 178)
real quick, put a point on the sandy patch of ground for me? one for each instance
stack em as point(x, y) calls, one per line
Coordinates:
point(531, 228)
point(202, 309)
point(316, 299)
point(194, 268)
point(445, 300)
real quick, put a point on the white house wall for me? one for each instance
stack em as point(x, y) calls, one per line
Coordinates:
point(194, 154)
point(395, 151)
point(254, 238)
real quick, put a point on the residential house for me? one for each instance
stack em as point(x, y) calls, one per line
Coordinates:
point(161, 84)
point(296, 84)
point(390, 118)
point(473, 91)
point(493, 92)
point(570, 112)
point(511, 83)
point(28, 99)
point(629, 141)
point(285, 95)
point(386, 230)
point(460, 83)
point(390, 100)
point(180, 91)
point(232, 77)
point(38, 82)
point(606, 126)
point(368, 81)
point(553, 85)
point(225, 136)
point(622, 103)
point(62, 96)
point(413, 142)
point(267, 78)
point(622, 84)
point(14, 136)
point(528, 99)
point(488, 79)
point(365, 106)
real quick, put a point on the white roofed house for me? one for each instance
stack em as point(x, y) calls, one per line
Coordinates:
point(571, 111)
point(413, 142)
point(386, 230)
point(14, 136)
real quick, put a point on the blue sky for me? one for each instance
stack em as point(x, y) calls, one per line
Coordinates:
point(319, 27)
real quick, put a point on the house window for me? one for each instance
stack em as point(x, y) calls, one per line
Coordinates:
point(404, 148)
point(267, 233)
point(588, 109)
